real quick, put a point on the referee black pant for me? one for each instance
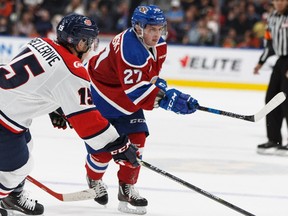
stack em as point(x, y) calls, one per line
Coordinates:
point(278, 82)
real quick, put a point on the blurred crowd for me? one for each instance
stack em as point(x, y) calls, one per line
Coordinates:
point(224, 23)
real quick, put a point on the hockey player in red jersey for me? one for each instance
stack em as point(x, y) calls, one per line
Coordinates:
point(44, 76)
point(125, 81)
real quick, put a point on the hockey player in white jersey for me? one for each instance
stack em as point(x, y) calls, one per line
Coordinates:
point(43, 77)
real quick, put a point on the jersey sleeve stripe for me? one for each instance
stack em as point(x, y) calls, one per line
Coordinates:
point(80, 112)
point(138, 85)
point(102, 56)
point(112, 103)
point(97, 133)
point(143, 92)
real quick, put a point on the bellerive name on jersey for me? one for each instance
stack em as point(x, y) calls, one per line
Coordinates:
point(45, 50)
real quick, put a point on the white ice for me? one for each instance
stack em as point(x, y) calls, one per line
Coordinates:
point(212, 152)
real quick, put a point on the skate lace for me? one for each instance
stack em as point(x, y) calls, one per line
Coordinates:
point(132, 192)
point(100, 188)
point(25, 202)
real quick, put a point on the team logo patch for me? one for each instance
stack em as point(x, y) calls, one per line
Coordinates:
point(88, 22)
point(70, 40)
point(143, 9)
point(61, 27)
point(157, 10)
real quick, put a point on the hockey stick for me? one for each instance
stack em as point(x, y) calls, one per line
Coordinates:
point(190, 186)
point(272, 104)
point(76, 196)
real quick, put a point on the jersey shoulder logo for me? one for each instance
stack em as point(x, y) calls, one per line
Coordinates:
point(78, 64)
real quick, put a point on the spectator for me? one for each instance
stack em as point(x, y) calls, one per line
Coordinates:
point(112, 16)
point(6, 8)
point(230, 40)
point(175, 16)
point(43, 24)
point(75, 6)
point(260, 27)
point(104, 18)
point(204, 7)
point(25, 26)
point(121, 16)
point(4, 26)
point(201, 35)
point(55, 20)
point(189, 22)
point(55, 6)
point(250, 41)
point(93, 10)
point(241, 24)
point(252, 16)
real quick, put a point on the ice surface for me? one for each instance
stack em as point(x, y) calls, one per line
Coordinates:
point(213, 152)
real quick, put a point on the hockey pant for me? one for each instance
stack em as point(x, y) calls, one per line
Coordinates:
point(96, 164)
point(278, 82)
point(16, 161)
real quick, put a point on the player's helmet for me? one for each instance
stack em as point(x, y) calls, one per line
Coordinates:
point(74, 27)
point(148, 15)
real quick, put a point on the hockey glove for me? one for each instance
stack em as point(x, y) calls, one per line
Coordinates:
point(59, 120)
point(178, 102)
point(123, 152)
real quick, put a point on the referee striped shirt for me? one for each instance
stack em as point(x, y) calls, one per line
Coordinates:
point(276, 36)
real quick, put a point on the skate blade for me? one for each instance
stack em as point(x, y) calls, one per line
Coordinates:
point(269, 151)
point(125, 207)
point(14, 213)
point(280, 152)
point(3, 212)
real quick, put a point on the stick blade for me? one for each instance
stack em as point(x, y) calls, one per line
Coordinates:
point(80, 195)
point(271, 105)
point(76, 196)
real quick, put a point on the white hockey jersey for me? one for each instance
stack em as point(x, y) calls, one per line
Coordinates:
point(43, 77)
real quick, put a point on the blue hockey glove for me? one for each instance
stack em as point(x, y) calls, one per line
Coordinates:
point(124, 152)
point(178, 102)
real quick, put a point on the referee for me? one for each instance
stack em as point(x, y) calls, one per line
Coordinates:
point(276, 38)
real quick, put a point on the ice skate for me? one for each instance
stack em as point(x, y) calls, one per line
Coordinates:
point(3, 212)
point(20, 202)
point(130, 200)
point(267, 148)
point(101, 190)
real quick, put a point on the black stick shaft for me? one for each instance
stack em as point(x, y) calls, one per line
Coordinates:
point(225, 113)
point(199, 190)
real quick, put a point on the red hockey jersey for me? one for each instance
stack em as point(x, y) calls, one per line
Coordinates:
point(122, 72)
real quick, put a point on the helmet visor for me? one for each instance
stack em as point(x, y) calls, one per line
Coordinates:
point(91, 43)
